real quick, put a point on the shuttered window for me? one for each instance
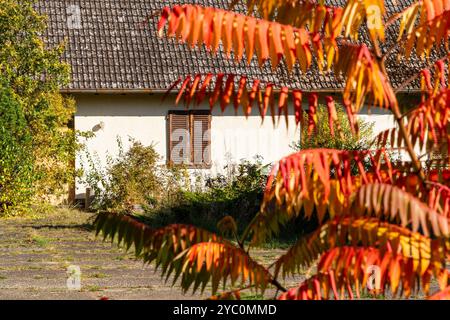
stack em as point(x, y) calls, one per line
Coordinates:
point(179, 145)
point(190, 138)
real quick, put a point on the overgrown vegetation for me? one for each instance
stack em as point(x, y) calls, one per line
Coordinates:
point(16, 160)
point(238, 193)
point(342, 137)
point(133, 180)
point(137, 182)
point(32, 74)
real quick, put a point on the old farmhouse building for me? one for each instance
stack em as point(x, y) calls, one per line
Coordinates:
point(121, 70)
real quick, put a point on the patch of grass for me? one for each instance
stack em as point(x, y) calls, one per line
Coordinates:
point(94, 267)
point(2, 277)
point(40, 241)
point(34, 268)
point(98, 275)
point(93, 288)
point(252, 296)
point(275, 243)
point(370, 296)
point(124, 267)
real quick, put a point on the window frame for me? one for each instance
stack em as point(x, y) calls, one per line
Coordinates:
point(191, 114)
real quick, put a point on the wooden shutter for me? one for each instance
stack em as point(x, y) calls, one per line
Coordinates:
point(178, 120)
point(201, 138)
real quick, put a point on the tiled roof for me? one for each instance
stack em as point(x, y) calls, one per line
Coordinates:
point(112, 48)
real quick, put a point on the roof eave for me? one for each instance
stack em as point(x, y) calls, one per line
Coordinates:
point(112, 91)
point(158, 91)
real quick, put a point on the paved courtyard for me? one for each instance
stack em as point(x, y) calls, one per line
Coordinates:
point(36, 253)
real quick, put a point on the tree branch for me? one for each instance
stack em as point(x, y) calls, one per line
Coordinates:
point(409, 146)
point(278, 285)
point(399, 119)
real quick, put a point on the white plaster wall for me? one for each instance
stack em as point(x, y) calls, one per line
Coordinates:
point(381, 120)
point(384, 120)
point(143, 117)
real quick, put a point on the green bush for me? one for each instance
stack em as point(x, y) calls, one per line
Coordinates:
point(237, 194)
point(346, 140)
point(133, 180)
point(16, 161)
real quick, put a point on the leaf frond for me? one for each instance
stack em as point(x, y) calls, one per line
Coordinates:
point(215, 263)
point(394, 204)
point(345, 271)
point(362, 232)
point(152, 245)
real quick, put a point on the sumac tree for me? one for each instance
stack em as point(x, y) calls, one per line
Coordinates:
point(394, 215)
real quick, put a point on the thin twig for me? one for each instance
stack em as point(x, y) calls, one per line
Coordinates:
point(409, 146)
point(276, 294)
point(414, 77)
point(396, 16)
point(278, 285)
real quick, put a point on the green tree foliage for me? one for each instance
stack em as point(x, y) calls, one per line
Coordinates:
point(16, 160)
point(343, 139)
point(34, 73)
point(134, 179)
